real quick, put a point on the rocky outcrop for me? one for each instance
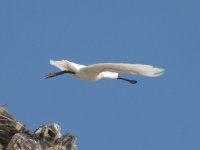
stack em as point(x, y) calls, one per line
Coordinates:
point(15, 136)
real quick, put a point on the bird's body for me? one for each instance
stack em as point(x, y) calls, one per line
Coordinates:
point(104, 70)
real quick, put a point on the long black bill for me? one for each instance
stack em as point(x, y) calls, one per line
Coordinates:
point(130, 81)
point(54, 74)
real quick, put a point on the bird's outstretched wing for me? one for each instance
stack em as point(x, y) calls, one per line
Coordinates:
point(66, 65)
point(140, 69)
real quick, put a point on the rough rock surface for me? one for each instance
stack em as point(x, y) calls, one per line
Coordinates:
point(15, 136)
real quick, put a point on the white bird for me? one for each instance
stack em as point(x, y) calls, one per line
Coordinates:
point(103, 70)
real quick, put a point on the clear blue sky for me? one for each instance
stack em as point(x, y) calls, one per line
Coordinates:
point(156, 114)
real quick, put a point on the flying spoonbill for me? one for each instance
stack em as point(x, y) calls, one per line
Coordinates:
point(103, 70)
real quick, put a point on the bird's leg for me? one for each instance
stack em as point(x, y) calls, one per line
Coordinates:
point(130, 81)
point(54, 74)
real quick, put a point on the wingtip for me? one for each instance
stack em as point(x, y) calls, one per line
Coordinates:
point(51, 61)
point(159, 72)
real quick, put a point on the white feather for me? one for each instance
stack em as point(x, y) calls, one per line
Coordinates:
point(66, 65)
point(140, 69)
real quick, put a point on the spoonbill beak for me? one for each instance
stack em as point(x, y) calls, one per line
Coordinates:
point(50, 75)
point(54, 74)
